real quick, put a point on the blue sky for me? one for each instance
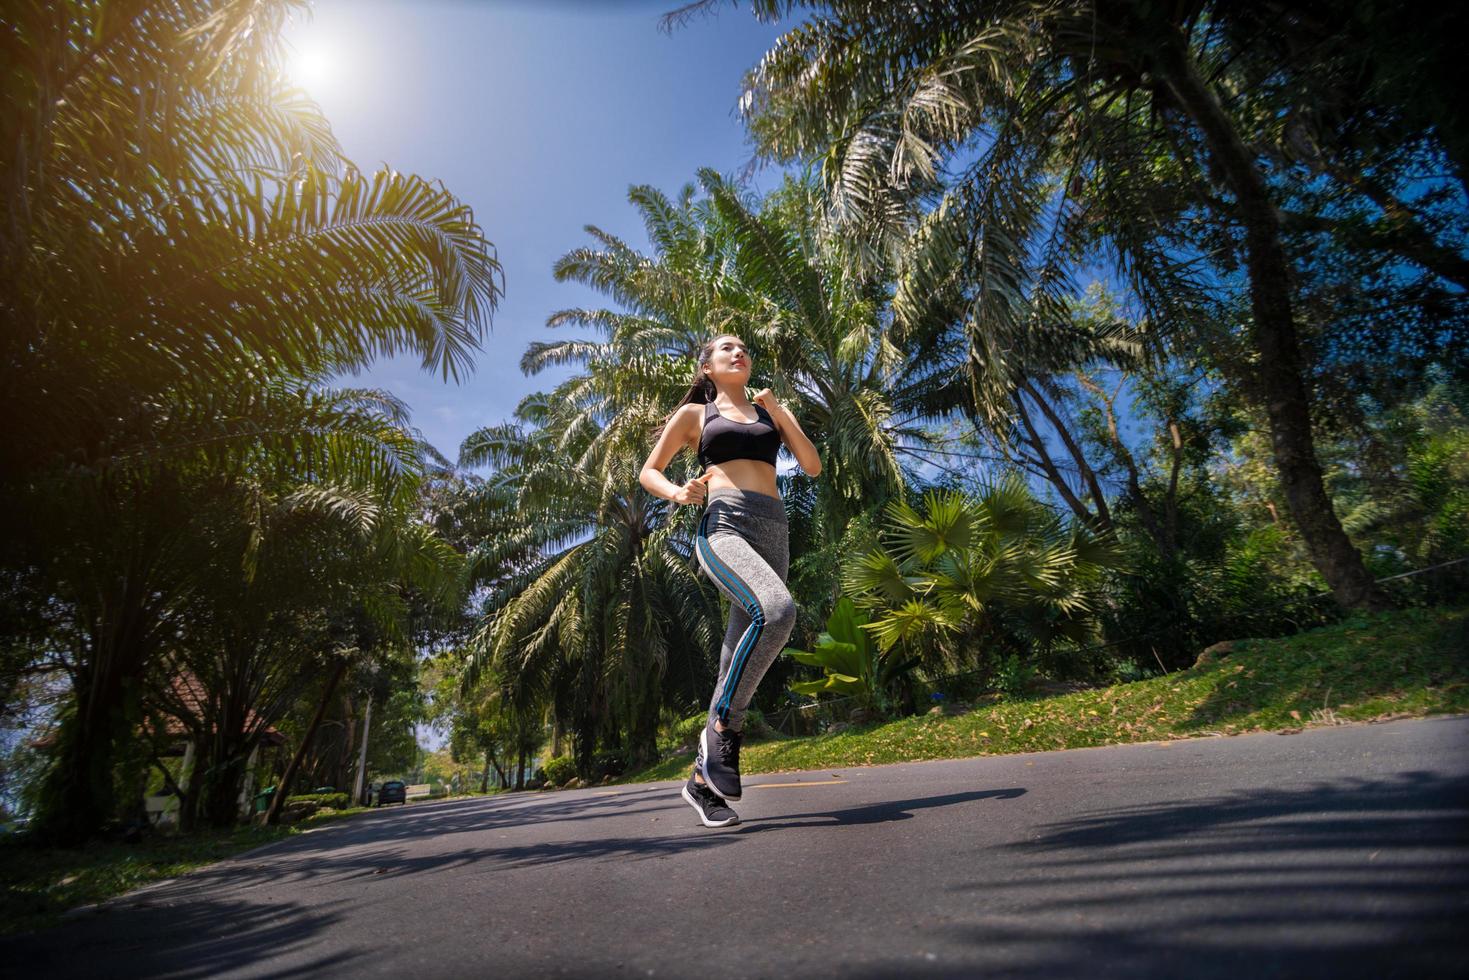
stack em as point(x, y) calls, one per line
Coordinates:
point(539, 116)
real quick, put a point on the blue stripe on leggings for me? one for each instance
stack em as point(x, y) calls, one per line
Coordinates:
point(752, 606)
point(752, 635)
point(745, 596)
point(747, 642)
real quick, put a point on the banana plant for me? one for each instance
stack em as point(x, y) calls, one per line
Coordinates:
point(854, 666)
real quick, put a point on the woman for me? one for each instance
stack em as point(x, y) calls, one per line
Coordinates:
point(741, 544)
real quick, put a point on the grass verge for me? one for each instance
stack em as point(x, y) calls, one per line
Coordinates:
point(38, 884)
point(1407, 663)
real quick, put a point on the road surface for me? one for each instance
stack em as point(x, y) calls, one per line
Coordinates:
point(1336, 852)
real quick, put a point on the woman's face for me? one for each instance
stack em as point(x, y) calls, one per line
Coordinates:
point(730, 362)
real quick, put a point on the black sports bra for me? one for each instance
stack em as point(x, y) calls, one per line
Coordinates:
point(723, 439)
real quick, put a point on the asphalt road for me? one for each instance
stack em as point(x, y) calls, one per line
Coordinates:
point(1339, 852)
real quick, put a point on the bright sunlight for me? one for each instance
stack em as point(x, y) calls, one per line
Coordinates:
point(314, 66)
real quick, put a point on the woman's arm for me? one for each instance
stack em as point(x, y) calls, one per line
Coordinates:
point(790, 432)
point(682, 430)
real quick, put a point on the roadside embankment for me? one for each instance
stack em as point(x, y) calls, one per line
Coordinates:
point(1399, 664)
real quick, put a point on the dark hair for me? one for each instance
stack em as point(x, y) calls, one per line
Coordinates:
point(702, 390)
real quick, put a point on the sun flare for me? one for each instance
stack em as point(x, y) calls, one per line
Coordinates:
point(313, 66)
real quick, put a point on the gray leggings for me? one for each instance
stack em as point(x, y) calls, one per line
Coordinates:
point(743, 546)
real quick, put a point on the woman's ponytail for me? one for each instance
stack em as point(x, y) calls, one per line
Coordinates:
point(701, 391)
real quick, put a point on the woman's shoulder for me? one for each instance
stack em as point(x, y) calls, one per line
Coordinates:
point(689, 417)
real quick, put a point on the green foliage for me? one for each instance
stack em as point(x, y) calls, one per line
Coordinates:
point(608, 763)
point(684, 733)
point(334, 801)
point(559, 771)
point(186, 245)
point(1403, 663)
point(992, 573)
point(1429, 519)
point(1013, 675)
point(850, 660)
point(1229, 582)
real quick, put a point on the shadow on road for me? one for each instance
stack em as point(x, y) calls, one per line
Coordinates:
point(884, 812)
point(191, 939)
point(213, 907)
point(207, 919)
point(1351, 877)
point(1342, 878)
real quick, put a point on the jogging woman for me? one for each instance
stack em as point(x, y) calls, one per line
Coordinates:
point(741, 544)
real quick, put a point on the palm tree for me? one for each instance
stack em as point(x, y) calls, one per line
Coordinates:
point(864, 390)
point(718, 264)
point(593, 598)
point(184, 257)
point(963, 103)
point(171, 206)
point(990, 574)
point(157, 544)
point(265, 614)
point(723, 263)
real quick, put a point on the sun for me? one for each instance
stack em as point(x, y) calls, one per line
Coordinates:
point(313, 66)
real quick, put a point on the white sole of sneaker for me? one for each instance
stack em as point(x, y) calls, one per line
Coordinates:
point(689, 799)
point(704, 770)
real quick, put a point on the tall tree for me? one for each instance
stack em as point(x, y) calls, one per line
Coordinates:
point(180, 245)
point(906, 104)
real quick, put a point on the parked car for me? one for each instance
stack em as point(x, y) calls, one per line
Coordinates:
point(392, 791)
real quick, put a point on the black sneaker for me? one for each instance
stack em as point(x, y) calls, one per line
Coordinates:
point(719, 761)
point(711, 809)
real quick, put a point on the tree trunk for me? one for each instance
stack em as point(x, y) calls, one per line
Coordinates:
point(359, 790)
point(78, 796)
point(1102, 522)
point(1280, 375)
point(224, 768)
point(273, 815)
point(349, 747)
point(221, 788)
point(1043, 459)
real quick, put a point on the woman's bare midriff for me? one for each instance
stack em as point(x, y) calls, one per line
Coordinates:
point(743, 474)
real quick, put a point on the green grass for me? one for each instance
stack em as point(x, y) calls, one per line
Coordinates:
point(1407, 663)
point(38, 884)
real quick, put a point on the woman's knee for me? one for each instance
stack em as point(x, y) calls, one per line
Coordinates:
point(780, 610)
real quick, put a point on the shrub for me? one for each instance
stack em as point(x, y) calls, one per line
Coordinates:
point(684, 735)
point(1013, 676)
point(559, 770)
point(334, 801)
point(852, 663)
point(755, 724)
